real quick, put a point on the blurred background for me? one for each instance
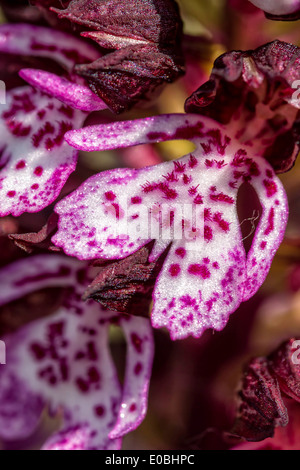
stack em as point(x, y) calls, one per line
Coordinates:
point(194, 383)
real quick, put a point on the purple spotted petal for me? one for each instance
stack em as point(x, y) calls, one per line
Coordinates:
point(270, 230)
point(191, 203)
point(58, 362)
point(35, 161)
point(141, 131)
point(25, 39)
point(64, 362)
point(74, 438)
point(138, 371)
point(75, 96)
point(23, 277)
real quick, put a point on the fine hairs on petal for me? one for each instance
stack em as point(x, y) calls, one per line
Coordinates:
point(190, 203)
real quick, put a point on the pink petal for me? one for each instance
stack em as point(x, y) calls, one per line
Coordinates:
point(64, 361)
point(20, 408)
point(26, 39)
point(79, 378)
point(38, 272)
point(141, 131)
point(140, 350)
point(74, 438)
point(204, 276)
point(75, 96)
point(270, 231)
point(35, 162)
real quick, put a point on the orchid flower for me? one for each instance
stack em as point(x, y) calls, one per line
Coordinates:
point(146, 38)
point(279, 9)
point(188, 206)
point(35, 159)
point(63, 361)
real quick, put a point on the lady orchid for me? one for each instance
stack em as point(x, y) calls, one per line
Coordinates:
point(35, 159)
point(192, 203)
point(174, 232)
point(36, 118)
point(64, 362)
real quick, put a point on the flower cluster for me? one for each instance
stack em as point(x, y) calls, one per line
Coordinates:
point(173, 232)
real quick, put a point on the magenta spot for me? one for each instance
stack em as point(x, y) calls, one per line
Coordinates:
point(269, 173)
point(270, 226)
point(99, 411)
point(92, 352)
point(174, 270)
point(198, 199)
point(21, 164)
point(199, 270)
point(82, 385)
point(171, 177)
point(52, 380)
point(138, 368)
point(38, 351)
point(11, 193)
point(157, 136)
point(263, 245)
point(216, 265)
point(41, 114)
point(208, 234)
point(239, 158)
point(193, 161)
point(193, 190)
point(221, 222)
point(221, 197)
point(170, 193)
point(132, 408)
point(94, 375)
point(207, 214)
point(271, 187)
point(38, 171)
point(206, 260)
point(137, 342)
point(179, 167)
point(136, 200)
point(181, 252)
point(187, 301)
point(35, 186)
point(110, 196)
point(17, 128)
point(187, 179)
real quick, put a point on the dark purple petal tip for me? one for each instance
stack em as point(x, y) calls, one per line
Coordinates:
point(257, 93)
point(266, 383)
point(146, 37)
